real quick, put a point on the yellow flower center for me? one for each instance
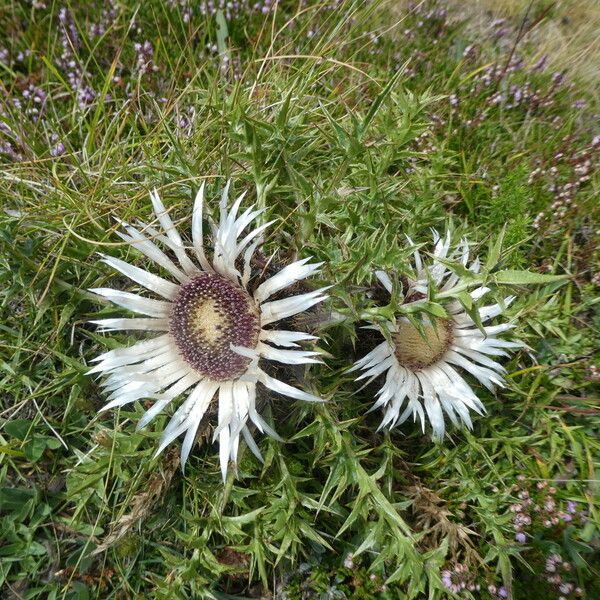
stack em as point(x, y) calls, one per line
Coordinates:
point(208, 321)
point(416, 349)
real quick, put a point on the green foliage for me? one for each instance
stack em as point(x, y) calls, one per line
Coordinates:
point(509, 207)
point(348, 138)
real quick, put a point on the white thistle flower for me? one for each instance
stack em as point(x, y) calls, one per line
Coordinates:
point(422, 379)
point(212, 330)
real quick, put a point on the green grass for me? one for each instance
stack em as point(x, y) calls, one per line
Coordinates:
point(348, 137)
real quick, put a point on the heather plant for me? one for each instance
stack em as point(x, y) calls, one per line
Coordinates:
point(358, 128)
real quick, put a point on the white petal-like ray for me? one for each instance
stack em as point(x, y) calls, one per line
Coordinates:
point(394, 388)
point(135, 303)
point(195, 417)
point(130, 394)
point(132, 324)
point(151, 282)
point(162, 365)
point(480, 358)
point(438, 270)
point(378, 368)
point(281, 337)
point(251, 443)
point(286, 277)
point(385, 280)
point(445, 391)
point(399, 388)
point(288, 357)
point(285, 389)
point(176, 389)
point(188, 417)
point(246, 240)
point(227, 233)
point(172, 234)
point(379, 353)
point(485, 376)
point(448, 406)
point(134, 353)
point(432, 405)
point(223, 203)
point(241, 403)
point(163, 376)
point(197, 233)
point(122, 374)
point(186, 264)
point(165, 219)
point(288, 307)
point(248, 254)
point(460, 388)
point(225, 415)
point(410, 391)
point(152, 251)
point(247, 217)
point(260, 423)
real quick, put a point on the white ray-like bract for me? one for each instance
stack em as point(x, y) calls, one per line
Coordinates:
point(210, 328)
point(422, 369)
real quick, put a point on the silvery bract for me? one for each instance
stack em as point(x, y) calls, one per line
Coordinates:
point(423, 378)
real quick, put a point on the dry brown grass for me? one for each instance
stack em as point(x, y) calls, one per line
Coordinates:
point(568, 31)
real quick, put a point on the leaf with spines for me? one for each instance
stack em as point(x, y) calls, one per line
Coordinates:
point(495, 250)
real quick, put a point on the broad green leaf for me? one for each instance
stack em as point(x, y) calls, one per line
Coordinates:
point(243, 519)
point(433, 308)
point(514, 277)
point(35, 447)
point(15, 498)
point(18, 428)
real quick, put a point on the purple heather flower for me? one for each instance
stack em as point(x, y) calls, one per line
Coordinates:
point(521, 537)
point(85, 96)
point(70, 30)
point(447, 578)
point(21, 56)
point(8, 149)
point(58, 150)
point(540, 64)
point(145, 57)
point(571, 507)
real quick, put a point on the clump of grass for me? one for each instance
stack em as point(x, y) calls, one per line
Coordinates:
point(353, 128)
